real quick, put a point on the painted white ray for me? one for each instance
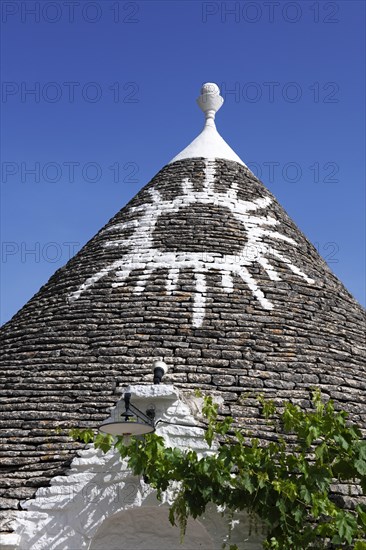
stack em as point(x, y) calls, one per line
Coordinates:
point(124, 225)
point(209, 181)
point(187, 186)
point(122, 276)
point(227, 281)
point(199, 304)
point(293, 268)
point(275, 235)
point(250, 221)
point(92, 280)
point(232, 193)
point(242, 207)
point(251, 283)
point(142, 281)
point(269, 269)
point(155, 195)
point(171, 284)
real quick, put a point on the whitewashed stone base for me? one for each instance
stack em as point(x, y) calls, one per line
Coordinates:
point(99, 505)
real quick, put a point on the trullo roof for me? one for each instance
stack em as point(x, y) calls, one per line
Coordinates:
point(203, 268)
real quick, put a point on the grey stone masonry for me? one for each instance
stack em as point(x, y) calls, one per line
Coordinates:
point(204, 269)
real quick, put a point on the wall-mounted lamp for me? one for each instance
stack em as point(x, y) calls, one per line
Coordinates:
point(134, 421)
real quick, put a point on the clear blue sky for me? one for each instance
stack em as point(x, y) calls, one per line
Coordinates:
point(115, 86)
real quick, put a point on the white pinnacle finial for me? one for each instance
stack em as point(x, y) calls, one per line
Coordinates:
point(209, 144)
point(210, 101)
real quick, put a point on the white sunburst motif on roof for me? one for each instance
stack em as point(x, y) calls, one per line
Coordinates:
point(139, 251)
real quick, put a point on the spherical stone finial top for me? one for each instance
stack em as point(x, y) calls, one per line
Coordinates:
point(210, 88)
point(210, 101)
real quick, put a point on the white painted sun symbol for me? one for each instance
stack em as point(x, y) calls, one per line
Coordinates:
point(143, 255)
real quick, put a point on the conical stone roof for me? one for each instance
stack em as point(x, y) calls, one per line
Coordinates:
point(203, 268)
